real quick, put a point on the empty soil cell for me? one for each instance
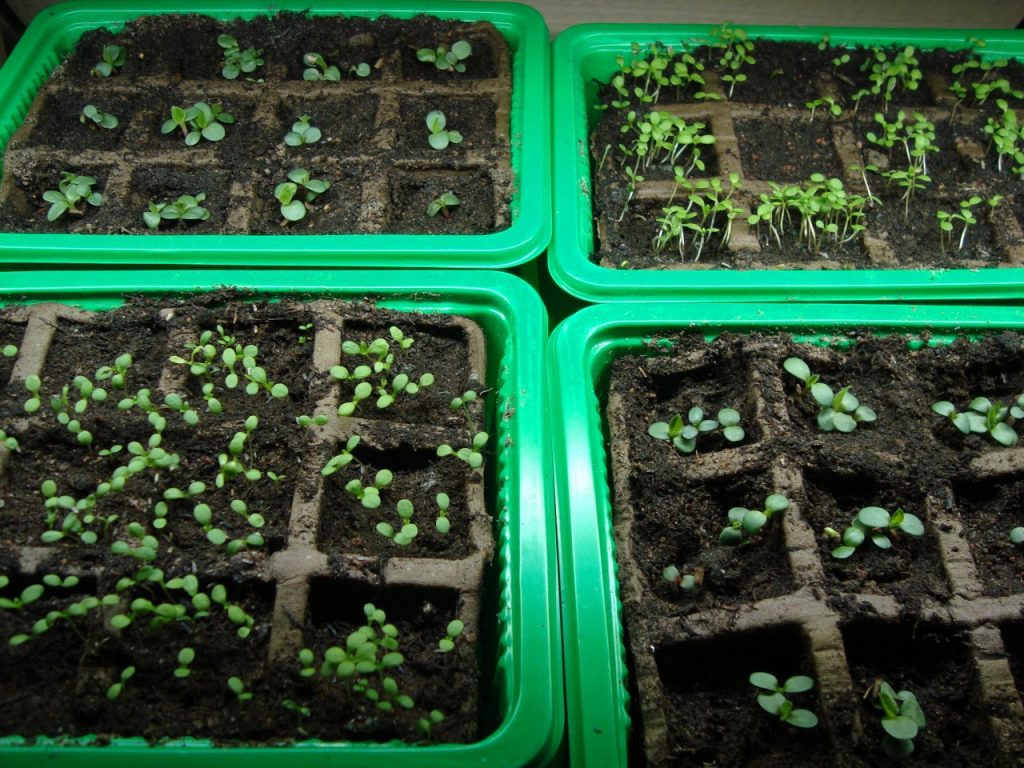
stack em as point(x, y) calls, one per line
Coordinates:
point(765, 137)
point(196, 525)
point(370, 125)
point(921, 609)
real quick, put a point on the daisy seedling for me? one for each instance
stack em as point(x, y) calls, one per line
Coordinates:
point(683, 433)
point(827, 103)
point(33, 385)
point(901, 718)
point(369, 496)
point(117, 373)
point(445, 59)
point(889, 75)
point(878, 525)
point(685, 582)
point(237, 61)
point(443, 204)
point(840, 411)
point(113, 59)
point(407, 532)
point(8, 441)
point(442, 523)
point(471, 455)
point(447, 643)
point(185, 657)
point(72, 194)
point(746, 524)
point(440, 138)
point(115, 690)
point(302, 133)
point(776, 703)
point(238, 688)
point(736, 50)
point(200, 121)
point(185, 208)
point(984, 416)
point(342, 459)
point(296, 194)
point(97, 117)
point(319, 69)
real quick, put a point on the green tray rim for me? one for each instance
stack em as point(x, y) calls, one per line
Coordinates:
point(532, 728)
point(572, 241)
point(529, 234)
point(579, 351)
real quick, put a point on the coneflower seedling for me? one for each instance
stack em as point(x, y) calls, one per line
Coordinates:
point(777, 704)
point(317, 68)
point(440, 138)
point(298, 193)
point(184, 208)
point(115, 690)
point(825, 101)
point(237, 61)
point(746, 524)
point(33, 385)
point(426, 724)
point(28, 596)
point(901, 718)
point(113, 58)
point(8, 350)
point(683, 433)
point(8, 441)
point(200, 121)
point(443, 204)
point(471, 455)
point(185, 657)
point(877, 524)
point(984, 416)
point(97, 117)
point(447, 59)
point(292, 706)
point(302, 133)
point(306, 659)
point(71, 196)
point(117, 372)
point(839, 411)
point(447, 643)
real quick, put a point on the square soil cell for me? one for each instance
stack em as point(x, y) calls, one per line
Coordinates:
point(678, 523)
point(335, 211)
point(712, 714)
point(989, 510)
point(933, 663)
point(474, 118)
point(163, 184)
point(235, 150)
point(346, 123)
point(22, 208)
point(910, 570)
point(787, 150)
point(412, 193)
point(59, 123)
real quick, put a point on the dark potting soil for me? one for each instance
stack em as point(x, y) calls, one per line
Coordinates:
point(374, 134)
point(321, 558)
point(766, 135)
point(918, 614)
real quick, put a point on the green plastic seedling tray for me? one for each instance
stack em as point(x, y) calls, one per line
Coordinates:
point(55, 30)
point(579, 354)
point(585, 54)
point(524, 687)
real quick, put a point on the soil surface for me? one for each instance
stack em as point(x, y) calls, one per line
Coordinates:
point(924, 614)
point(373, 150)
point(304, 568)
point(765, 134)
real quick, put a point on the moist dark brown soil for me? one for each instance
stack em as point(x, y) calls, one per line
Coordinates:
point(766, 135)
point(920, 615)
point(374, 149)
point(321, 559)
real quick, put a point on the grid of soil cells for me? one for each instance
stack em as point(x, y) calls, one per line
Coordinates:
point(245, 546)
point(934, 609)
point(366, 132)
point(793, 114)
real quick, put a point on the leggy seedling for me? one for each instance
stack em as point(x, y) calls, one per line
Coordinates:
point(840, 411)
point(964, 215)
point(777, 704)
point(745, 524)
point(877, 524)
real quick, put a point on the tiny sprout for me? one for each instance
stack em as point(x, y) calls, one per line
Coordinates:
point(306, 333)
point(8, 350)
point(307, 659)
point(442, 203)
point(312, 421)
point(8, 442)
point(185, 208)
point(876, 523)
point(342, 459)
point(442, 524)
point(983, 416)
point(1017, 536)
point(745, 524)
point(685, 582)
point(115, 690)
point(238, 688)
point(472, 455)
point(237, 61)
point(318, 69)
point(185, 657)
point(824, 101)
point(408, 531)
point(901, 718)
point(840, 411)
point(32, 384)
point(440, 138)
point(362, 69)
point(113, 58)
point(466, 398)
point(447, 644)
point(98, 117)
point(777, 704)
point(683, 433)
point(71, 194)
point(298, 709)
point(302, 133)
point(426, 724)
point(448, 60)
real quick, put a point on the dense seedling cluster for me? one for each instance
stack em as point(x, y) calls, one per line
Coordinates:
point(876, 524)
point(839, 411)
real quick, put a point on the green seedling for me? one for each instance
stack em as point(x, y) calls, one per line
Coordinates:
point(8, 441)
point(823, 208)
point(736, 50)
point(408, 531)
point(115, 690)
point(1017, 536)
point(825, 101)
point(683, 433)
point(302, 133)
point(342, 459)
point(305, 333)
point(293, 706)
point(185, 208)
point(442, 523)
point(440, 138)
point(117, 373)
point(1007, 137)
point(426, 724)
point(901, 718)
point(237, 61)
point(686, 582)
point(445, 59)
point(369, 496)
point(878, 525)
point(185, 657)
point(840, 411)
point(319, 69)
point(97, 117)
point(447, 643)
point(307, 660)
point(72, 194)
point(443, 204)
point(746, 524)
point(113, 59)
point(29, 595)
point(200, 121)
point(887, 76)
point(776, 703)
point(471, 455)
point(707, 209)
point(984, 416)
point(8, 350)
point(238, 688)
point(297, 194)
